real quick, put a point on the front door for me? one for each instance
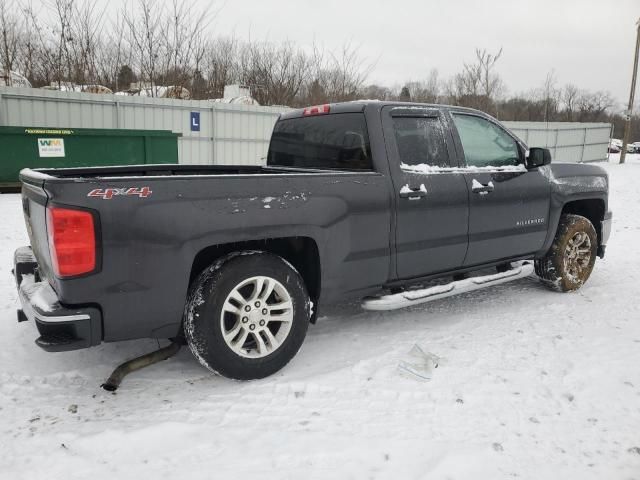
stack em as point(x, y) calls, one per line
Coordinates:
point(508, 204)
point(431, 201)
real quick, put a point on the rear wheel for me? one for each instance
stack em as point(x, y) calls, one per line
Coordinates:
point(570, 260)
point(247, 315)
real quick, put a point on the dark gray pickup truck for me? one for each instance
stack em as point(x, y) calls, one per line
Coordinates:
point(363, 199)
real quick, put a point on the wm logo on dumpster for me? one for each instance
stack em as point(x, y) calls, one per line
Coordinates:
point(50, 142)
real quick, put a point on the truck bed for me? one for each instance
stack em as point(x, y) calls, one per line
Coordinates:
point(155, 222)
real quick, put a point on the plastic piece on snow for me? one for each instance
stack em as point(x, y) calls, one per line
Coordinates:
point(421, 366)
point(408, 370)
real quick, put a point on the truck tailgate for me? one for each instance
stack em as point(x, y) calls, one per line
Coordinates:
point(34, 206)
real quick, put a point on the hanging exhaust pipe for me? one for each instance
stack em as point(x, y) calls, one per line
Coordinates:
point(113, 382)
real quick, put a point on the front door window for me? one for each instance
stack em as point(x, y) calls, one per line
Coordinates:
point(484, 143)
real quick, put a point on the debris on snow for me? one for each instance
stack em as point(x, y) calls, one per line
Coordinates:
point(421, 364)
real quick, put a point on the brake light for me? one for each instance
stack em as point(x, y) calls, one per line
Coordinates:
point(72, 241)
point(316, 110)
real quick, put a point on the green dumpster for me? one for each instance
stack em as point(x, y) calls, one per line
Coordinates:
point(44, 147)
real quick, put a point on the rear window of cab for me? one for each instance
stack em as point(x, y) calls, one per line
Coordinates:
point(336, 142)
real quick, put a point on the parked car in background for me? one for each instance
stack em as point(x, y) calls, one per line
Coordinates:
point(613, 148)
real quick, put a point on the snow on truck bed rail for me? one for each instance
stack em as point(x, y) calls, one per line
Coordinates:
point(425, 168)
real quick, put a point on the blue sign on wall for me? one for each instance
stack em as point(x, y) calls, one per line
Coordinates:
point(195, 121)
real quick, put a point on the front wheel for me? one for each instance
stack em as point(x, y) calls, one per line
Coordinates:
point(247, 315)
point(569, 262)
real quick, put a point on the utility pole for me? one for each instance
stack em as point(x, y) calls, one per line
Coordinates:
point(627, 126)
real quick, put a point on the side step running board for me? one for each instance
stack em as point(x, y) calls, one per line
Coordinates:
point(424, 295)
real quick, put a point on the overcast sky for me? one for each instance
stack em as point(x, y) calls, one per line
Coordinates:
point(586, 42)
point(589, 43)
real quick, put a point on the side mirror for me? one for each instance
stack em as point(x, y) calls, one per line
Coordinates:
point(538, 157)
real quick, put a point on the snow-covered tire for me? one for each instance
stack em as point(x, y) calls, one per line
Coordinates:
point(247, 315)
point(569, 262)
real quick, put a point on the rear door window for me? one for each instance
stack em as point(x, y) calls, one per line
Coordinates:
point(336, 141)
point(421, 141)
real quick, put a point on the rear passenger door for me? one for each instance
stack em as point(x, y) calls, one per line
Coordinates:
point(508, 204)
point(431, 202)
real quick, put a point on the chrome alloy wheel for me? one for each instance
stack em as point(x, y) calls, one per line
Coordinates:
point(577, 255)
point(256, 317)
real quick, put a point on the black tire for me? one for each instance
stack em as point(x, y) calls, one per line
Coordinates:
point(555, 268)
point(202, 321)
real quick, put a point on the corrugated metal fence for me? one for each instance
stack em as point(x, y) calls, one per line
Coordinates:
point(222, 133)
point(568, 142)
point(218, 133)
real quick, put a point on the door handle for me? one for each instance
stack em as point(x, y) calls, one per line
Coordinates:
point(413, 193)
point(480, 188)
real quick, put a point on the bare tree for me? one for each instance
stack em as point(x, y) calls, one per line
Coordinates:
point(478, 85)
point(62, 62)
point(29, 46)
point(39, 59)
point(592, 107)
point(376, 92)
point(490, 82)
point(160, 44)
point(87, 35)
point(10, 33)
point(184, 42)
point(113, 56)
point(425, 91)
point(550, 97)
point(344, 73)
point(570, 95)
point(220, 65)
point(279, 70)
point(147, 40)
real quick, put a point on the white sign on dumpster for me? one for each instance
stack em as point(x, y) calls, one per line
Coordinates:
point(51, 147)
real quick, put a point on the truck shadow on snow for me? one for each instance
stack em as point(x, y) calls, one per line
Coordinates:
point(339, 326)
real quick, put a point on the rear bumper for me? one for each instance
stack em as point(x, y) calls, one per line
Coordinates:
point(605, 232)
point(62, 328)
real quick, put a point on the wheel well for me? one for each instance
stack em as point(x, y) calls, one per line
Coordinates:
point(301, 252)
point(592, 209)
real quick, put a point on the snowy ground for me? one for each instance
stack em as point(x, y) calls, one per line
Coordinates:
point(536, 385)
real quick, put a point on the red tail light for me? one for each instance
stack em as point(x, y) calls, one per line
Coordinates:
point(72, 241)
point(316, 110)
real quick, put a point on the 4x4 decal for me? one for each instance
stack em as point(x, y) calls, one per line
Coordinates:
point(109, 193)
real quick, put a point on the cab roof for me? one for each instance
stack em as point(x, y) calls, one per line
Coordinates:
point(356, 106)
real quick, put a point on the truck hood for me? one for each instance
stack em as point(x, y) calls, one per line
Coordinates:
point(573, 178)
